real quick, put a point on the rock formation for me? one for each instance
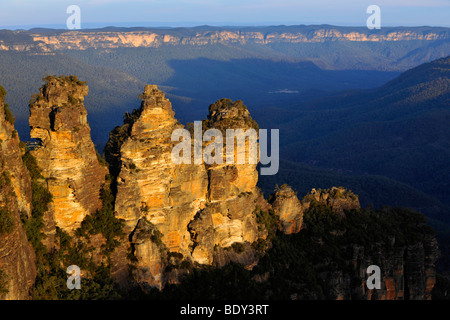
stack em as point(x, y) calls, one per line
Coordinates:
point(152, 192)
point(407, 271)
point(66, 154)
point(17, 265)
point(232, 193)
point(290, 209)
point(337, 198)
point(287, 206)
point(406, 264)
point(179, 216)
point(194, 207)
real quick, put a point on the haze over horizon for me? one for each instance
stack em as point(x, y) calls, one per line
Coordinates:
point(175, 13)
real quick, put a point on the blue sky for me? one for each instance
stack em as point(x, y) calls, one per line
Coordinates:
point(97, 13)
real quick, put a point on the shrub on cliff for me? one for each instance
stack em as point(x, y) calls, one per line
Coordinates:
point(2, 92)
point(3, 283)
point(267, 220)
point(8, 114)
point(103, 221)
point(300, 265)
point(6, 223)
point(41, 199)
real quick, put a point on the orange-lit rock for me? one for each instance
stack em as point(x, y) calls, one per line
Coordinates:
point(66, 155)
point(287, 206)
point(195, 207)
point(17, 258)
point(81, 40)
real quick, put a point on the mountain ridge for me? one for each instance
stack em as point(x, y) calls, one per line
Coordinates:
point(397, 131)
point(111, 37)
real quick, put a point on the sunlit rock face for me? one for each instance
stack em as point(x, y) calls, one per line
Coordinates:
point(152, 192)
point(80, 40)
point(289, 209)
point(194, 207)
point(66, 155)
point(17, 265)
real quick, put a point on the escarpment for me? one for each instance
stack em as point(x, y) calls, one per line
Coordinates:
point(82, 40)
point(65, 153)
point(17, 265)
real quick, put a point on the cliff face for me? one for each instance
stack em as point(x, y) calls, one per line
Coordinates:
point(17, 265)
point(290, 209)
point(65, 153)
point(153, 196)
point(232, 192)
point(83, 40)
point(407, 272)
point(188, 209)
point(396, 240)
point(48, 42)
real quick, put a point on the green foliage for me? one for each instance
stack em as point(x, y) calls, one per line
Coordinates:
point(31, 164)
point(132, 166)
point(41, 198)
point(51, 285)
point(224, 104)
point(51, 278)
point(371, 189)
point(130, 118)
point(296, 264)
point(325, 245)
point(6, 222)
point(72, 100)
point(441, 290)
point(73, 251)
point(100, 159)
point(2, 92)
point(267, 220)
point(116, 138)
point(3, 281)
point(175, 260)
point(260, 246)
point(156, 237)
point(103, 221)
point(8, 114)
point(229, 282)
point(238, 247)
point(175, 255)
point(186, 265)
point(6, 219)
point(72, 79)
point(396, 131)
